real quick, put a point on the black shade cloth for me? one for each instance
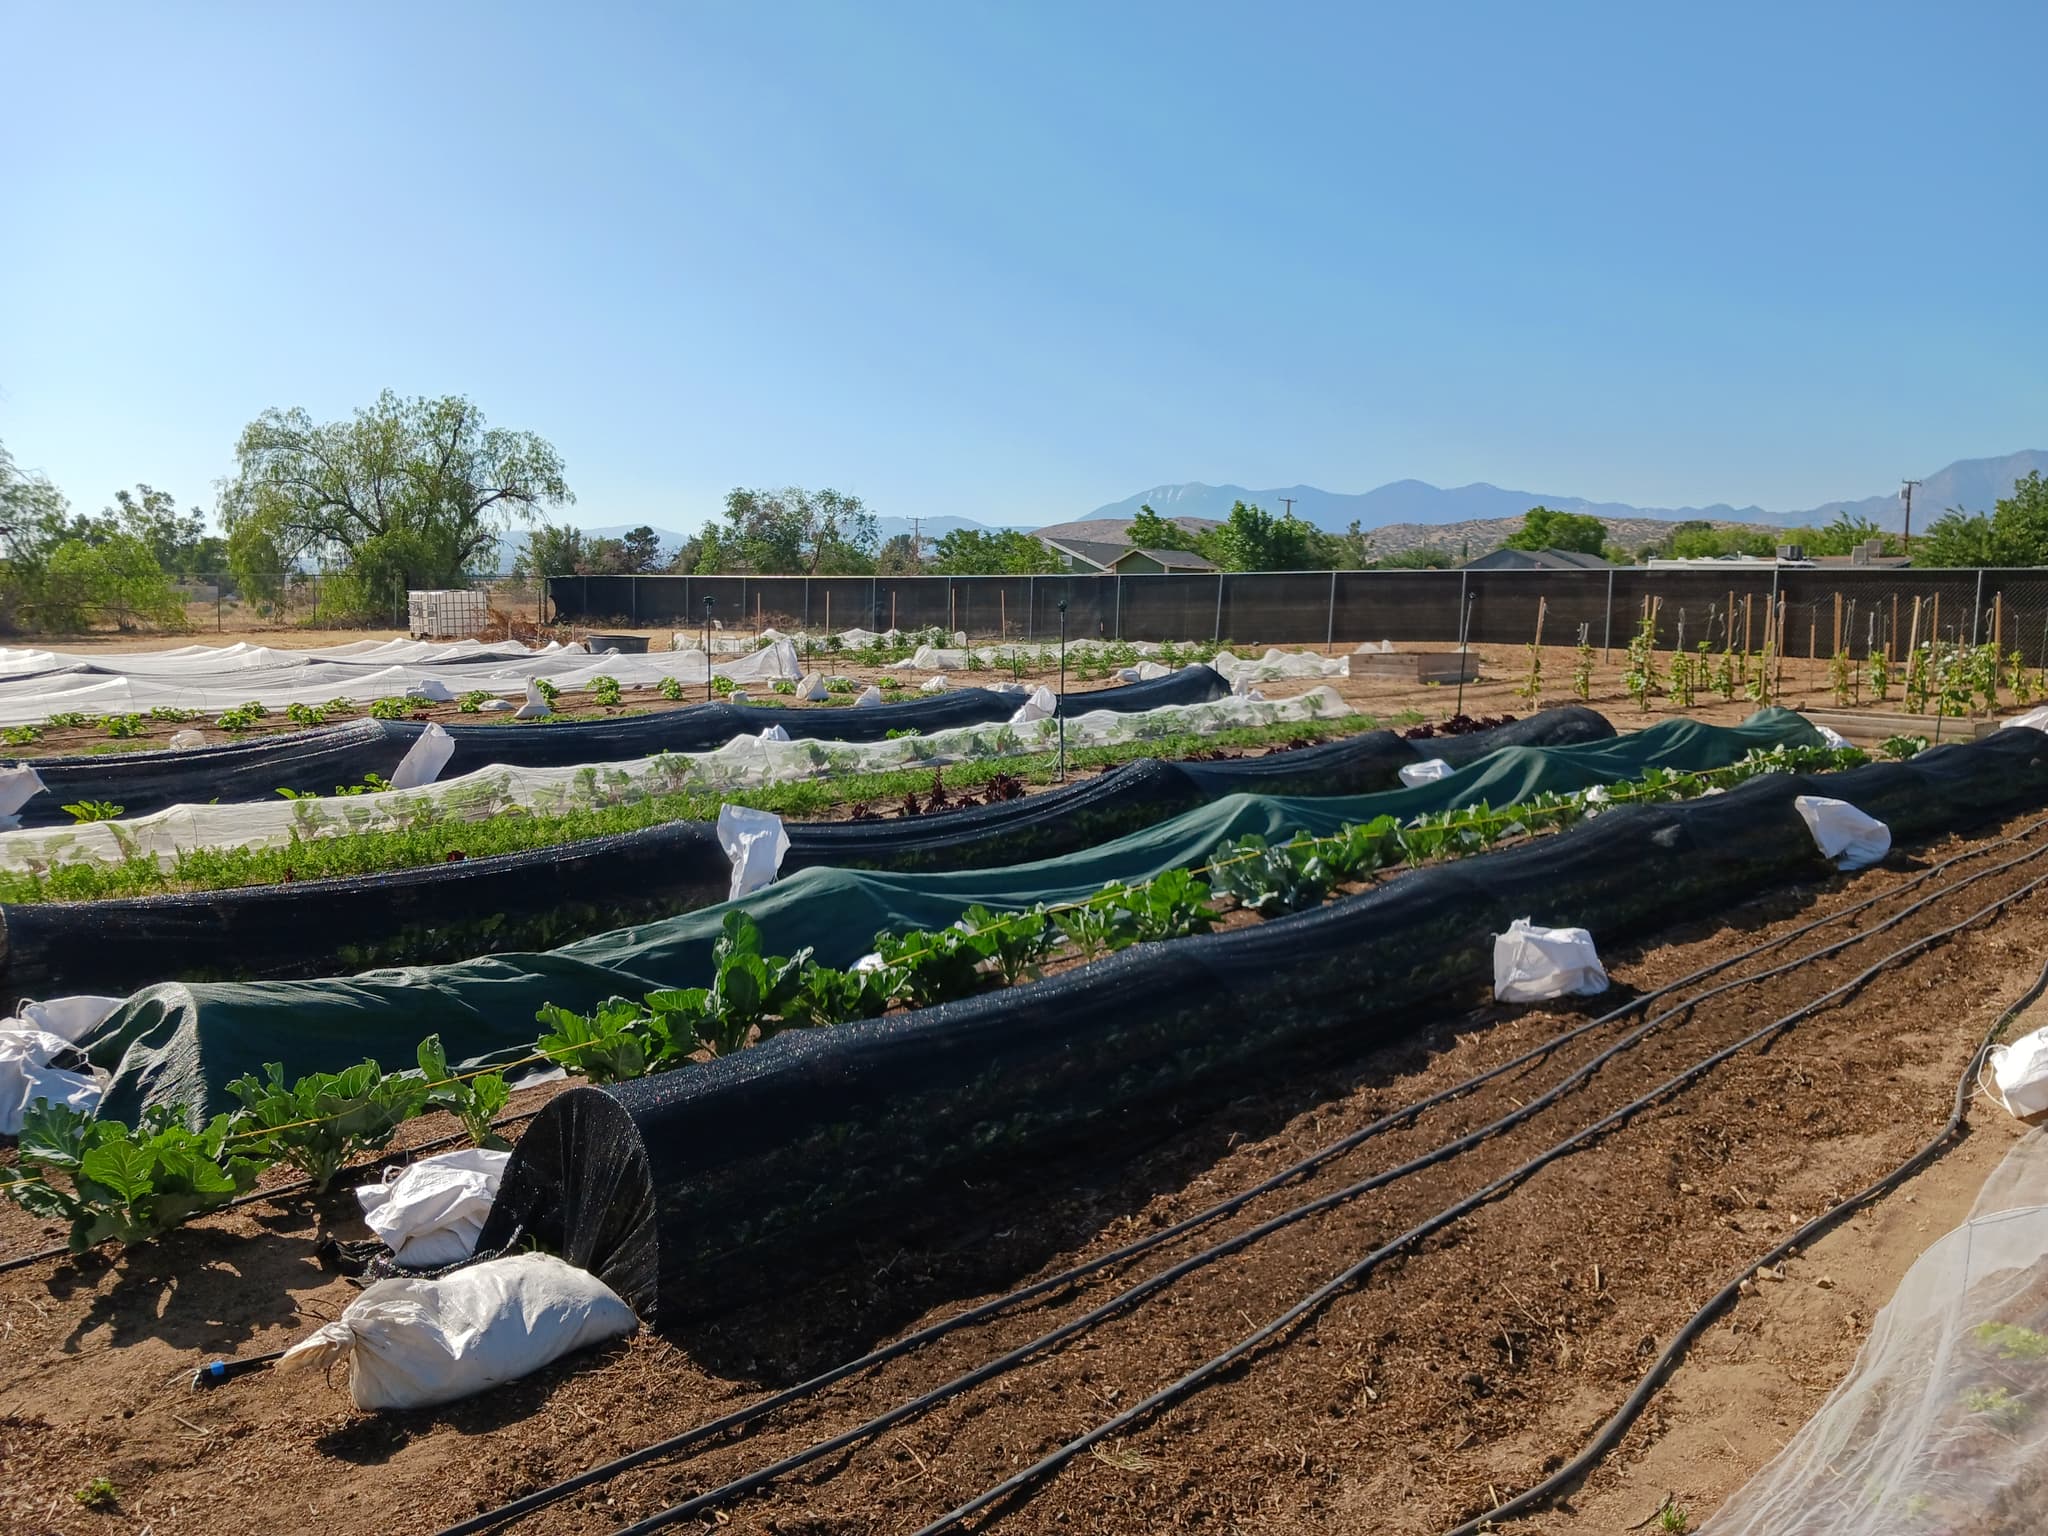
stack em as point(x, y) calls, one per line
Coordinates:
point(550, 896)
point(752, 1163)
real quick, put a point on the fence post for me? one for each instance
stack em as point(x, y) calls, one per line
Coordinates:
point(633, 598)
point(1030, 609)
point(1330, 634)
point(1116, 624)
point(1977, 607)
point(807, 605)
point(1217, 638)
point(1464, 637)
point(1607, 636)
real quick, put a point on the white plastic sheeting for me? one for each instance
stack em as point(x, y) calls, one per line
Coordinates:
point(933, 684)
point(1534, 965)
point(430, 1214)
point(197, 678)
point(18, 786)
point(2033, 719)
point(755, 841)
point(29, 1074)
point(1851, 838)
point(1041, 705)
point(1939, 1426)
point(413, 1342)
point(2019, 1074)
point(745, 762)
point(1277, 664)
point(1425, 773)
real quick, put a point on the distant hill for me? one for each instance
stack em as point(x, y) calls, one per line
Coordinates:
point(1973, 484)
point(1116, 530)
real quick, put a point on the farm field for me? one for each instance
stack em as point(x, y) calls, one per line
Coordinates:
point(1512, 1208)
point(1474, 1362)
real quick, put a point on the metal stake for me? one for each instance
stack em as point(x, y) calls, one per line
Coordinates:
point(1061, 710)
point(708, 601)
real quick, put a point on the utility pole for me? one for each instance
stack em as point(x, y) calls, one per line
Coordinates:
point(1909, 484)
point(1289, 501)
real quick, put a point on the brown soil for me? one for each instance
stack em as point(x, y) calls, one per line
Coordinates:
point(1454, 1374)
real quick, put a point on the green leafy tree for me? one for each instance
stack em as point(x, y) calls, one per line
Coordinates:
point(641, 548)
point(2015, 532)
point(406, 493)
point(897, 557)
point(177, 541)
point(1151, 531)
point(791, 532)
point(549, 551)
point(1252, 539)
point(1000, 552)
point(1544, 528)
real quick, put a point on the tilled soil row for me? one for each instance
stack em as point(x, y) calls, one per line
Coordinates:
point(1456, 1375)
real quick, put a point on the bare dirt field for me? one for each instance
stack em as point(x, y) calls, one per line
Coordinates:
point(1459, 1370)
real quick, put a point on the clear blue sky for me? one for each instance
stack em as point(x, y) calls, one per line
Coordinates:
point(1014, 261)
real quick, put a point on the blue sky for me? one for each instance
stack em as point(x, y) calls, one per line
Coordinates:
point(1015, 261)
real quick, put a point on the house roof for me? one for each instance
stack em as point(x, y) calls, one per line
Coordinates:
point(1539, 560)
point(1106, 556)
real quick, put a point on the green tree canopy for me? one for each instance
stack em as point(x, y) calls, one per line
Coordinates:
point(997, 552)
point(1151, 531)
point(1252, 539)
point(1544, 528)
point(791, 532)
point(406, 493)
point(2015, 533)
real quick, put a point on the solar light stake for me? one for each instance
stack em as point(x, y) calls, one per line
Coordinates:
point(1062, 709)
point(707, 647)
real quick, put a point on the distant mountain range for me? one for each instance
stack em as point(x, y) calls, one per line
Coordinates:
point(1973, 484)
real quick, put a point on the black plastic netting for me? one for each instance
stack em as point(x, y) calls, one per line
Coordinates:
point(321, 761)
point(550, 896)
point(714, 1181)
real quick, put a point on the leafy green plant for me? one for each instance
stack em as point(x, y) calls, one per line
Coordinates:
point(1532, 682)
point(99, 1493)
point(2004, 1408)
point(93, 810)
point(902, 732)
point(1899, 748)
point(127, 1184)
point(1640, 678)
point(174, 716)
point(606, 1046)
point(68, 720)
point(2019, 680)
point(935, 967)
point(605, 691)
point(1271, 878)
point(1673, 1520)
point(475, 1101)
point(824, 996)
point(1011, 943)
point(1841, 678)
point(373, 784)
point(2011, 1342)
point(1679, 677)
point(21, 735)
point(472, 702)
point(548, 691)
point(305, 714)
point(1174, 905)
point(242, 717)
point(1582, 666)
point(390, 709)
point(722, 685)
point(671, 688)
point(121, 727)
point(1100, 926)
point(784, 686)
point(320, 1122)
point(1880, 676)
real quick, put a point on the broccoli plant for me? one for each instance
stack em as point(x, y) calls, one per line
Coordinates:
point(1174, 905)
point(671, 688)
point(604, 690)
point(127, 1184)
point(1100, 925)
point(93, 810)
point(1012, 943)
point(472, 702)
point(606, 1046)
point(323, 1120)
point(475, 1101)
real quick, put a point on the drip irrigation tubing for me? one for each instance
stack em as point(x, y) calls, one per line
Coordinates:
point(1609, 1434)
point(541, 1497)
point(1202, 1374)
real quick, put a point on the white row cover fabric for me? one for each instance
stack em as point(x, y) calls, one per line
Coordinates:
point(414, 1343)
point(424, 759)
point(1534, 965)
point(1938, 1426)
point(569, 668)
point(747, 761)
point(430, 1214)
point(1851, 838)
point(1277, 665)
point(2033, 719)
point(755, 841)
point(33, 1042)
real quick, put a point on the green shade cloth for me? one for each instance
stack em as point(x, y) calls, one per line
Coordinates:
point(182, 1043)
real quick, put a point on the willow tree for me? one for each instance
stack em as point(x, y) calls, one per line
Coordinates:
point(405, 493)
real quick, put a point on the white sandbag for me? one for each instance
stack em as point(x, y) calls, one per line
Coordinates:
point(1829, 737)
point(812, 689)
point(413, 1343)
point(433, 689)
point(424, 760)
point(868, 697)
point(27, 1076)
point(430, 1214)
point(70, 1018)
point(739, 696)
point(1040, 706)
point(2020, 1073)
point(775, 733)
point(1533, 965)
point(187, 739)
point(933, 684)
point(1843, 833)
point(18, 785)
point(755, 841)
point(536, 706)
point(1425, 773)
